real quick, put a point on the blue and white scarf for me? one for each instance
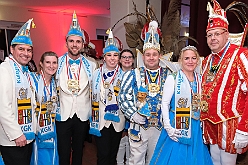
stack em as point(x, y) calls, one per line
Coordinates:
point(45, 118)
point(87, 68)
point(99, 93)
point(23, 93)
point(183, 105)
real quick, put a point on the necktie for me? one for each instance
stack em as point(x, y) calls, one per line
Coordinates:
point(74, 61)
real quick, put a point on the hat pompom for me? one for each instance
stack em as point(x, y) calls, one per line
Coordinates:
point(154, 24)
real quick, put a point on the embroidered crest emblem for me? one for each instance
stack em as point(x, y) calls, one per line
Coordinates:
point(23, 93)
point(182, 102)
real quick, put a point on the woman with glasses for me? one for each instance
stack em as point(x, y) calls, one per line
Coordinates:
point(45, 150)
point(180, 141)
point(126, 60)
point(126, 63)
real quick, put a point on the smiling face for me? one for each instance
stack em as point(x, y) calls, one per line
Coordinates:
point(217, 39)
point(111, 60)
point(74, 45)
point(49, 65)
point(188, 60)
point(151, 59)
point(126, 61)
point(22, 53)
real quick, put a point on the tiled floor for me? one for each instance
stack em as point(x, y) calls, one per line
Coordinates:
point(89, 157)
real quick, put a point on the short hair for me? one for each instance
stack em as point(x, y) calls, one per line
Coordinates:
point(127, 50)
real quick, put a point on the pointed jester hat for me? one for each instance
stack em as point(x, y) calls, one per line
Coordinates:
point(23, 35)
point(217, 17)
point(75, 29)
point(113, 44)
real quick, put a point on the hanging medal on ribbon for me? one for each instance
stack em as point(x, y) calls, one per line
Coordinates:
point(48, 92)
point(105, 83)
point(153, 82)
point(73, 73)
point(214, 69)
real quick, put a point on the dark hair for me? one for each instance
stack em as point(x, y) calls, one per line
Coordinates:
point(14, 45)
point(66, 38)
point(48, 53)
point(127, 50)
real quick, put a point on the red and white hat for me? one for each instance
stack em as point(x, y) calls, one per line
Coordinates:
point(217, 17)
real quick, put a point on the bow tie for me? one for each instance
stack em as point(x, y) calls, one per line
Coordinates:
point(109, 74)
point(74, 61)
point(25, 69)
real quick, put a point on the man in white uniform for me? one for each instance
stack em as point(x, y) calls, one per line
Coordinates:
point(74, 81)
point(17, 101)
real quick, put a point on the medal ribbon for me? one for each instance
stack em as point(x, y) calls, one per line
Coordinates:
point(69, 73)
point(149, 77)
point(197, 82)
point(216, 67)
point(46, 90)
point(26, 74)
point(116, 70)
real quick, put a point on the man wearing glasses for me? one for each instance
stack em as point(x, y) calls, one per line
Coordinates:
point(224, 103)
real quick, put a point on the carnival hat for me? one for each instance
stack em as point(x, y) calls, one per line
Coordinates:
point(151, 40)
point(23, 35)
point(142, 89)
point(217, 17)
point(113, 44)
point(75, 29)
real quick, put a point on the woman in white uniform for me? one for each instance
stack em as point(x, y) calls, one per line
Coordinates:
point(45, 148)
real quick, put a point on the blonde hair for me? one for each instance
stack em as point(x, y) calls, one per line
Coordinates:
point(192, 48)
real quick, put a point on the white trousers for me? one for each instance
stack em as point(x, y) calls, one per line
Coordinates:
point(220, 157)
point(142, 151)
point(124, 148)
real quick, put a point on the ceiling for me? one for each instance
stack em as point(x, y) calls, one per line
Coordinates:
point(82, 7)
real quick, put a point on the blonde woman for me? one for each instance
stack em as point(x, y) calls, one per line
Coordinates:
point(181, 140)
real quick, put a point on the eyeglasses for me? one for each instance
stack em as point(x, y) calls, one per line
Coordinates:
point(216, 34)
point(127, 57)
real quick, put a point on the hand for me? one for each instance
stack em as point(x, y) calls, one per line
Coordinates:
point(21, 141)
point(172, 132)
point(137, 118)
point(240, 140)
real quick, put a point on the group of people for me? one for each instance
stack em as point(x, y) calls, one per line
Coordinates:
point(149, 113)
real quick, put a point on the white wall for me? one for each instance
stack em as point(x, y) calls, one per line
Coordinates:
point(51, 28)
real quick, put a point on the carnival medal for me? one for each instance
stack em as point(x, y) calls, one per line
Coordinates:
point(110, 94)
point(73, 86)
point(153, 89)
point(196, 102)
point(210, 76)
point(49, 106)
point(106, 85)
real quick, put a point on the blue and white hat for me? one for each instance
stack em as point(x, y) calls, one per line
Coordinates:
point(152, 37)
point(112, 44)
point(23, 35)
point(142, 89)
point(75, 29)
